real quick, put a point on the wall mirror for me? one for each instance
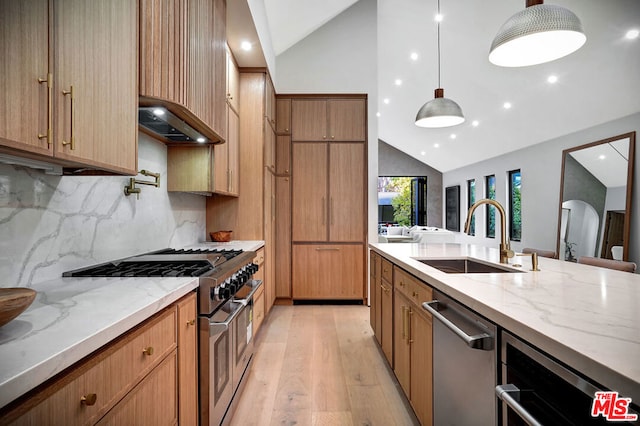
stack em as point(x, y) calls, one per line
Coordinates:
point(594, 216)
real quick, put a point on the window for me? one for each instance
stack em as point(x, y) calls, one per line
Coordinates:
point(515, 212)
point(402, 200)
point(471, 198)
point(490, 193)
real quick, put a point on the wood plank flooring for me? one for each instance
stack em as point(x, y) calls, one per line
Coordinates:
point(320, 365)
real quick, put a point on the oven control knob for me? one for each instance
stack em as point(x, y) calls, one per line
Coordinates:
point(224, 293)
point(254, 268)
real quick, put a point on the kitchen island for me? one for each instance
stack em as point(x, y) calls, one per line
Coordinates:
point(586, 317)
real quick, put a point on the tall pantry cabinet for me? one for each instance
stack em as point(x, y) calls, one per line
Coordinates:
point(328, 197)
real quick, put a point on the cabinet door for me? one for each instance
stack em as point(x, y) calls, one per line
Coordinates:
point(24, 27)
point(308, 120)
point(283, 114)
point(269, 233)
point(283, 237)
point(233, 142)
point(95, 83)
point(221, 164)
point(233, 82)
point(309, 192)
point(402, 341)
point(347, 119)
point(188, 360)
point(421, 365)
point(163, 49)
point(270, 103)
point(346, 192)
point(219, 123)
point(153, 402)
point(386, 306)
point(374, 259)
point(283, 155)
point(189, 168)
point(327, 271)
point(269, 147)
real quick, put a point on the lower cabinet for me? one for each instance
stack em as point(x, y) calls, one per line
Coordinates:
point(137, 378)
point(328, 271)
point(386, 319)
point(412, 343)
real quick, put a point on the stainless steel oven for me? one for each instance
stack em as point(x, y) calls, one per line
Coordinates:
point(225, 314)
point(537, 390)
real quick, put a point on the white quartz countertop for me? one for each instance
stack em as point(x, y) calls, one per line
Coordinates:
point(72, 317)
point(585, 316)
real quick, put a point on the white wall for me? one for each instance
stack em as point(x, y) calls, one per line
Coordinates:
point(340, 57)
point(51, 224)
point(540, 166)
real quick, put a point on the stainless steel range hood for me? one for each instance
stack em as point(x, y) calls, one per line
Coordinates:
point(164, 124)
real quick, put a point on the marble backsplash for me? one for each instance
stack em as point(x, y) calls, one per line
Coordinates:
point(51, 224)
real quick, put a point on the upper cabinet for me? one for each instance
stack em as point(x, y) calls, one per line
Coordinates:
point(183, 64)
point(328, 120)
point(270, 104)
point(233, 83)
point(283, 112)
point(70, 95)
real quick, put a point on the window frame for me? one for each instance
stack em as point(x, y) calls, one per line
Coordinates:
point(489, 184)
point(513, 211)
point(471, 199)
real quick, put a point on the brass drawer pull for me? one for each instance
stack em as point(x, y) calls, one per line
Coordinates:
point(89, 399)
point(327, 249)
point(49, 135)
point(71, 140)
point(191, 322)
point(148, 351)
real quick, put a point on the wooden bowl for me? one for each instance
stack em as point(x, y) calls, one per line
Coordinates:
point(13, 301)
point(221, 236)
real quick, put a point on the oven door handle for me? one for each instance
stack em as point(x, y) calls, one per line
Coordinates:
point(256, 285)
point(510, 394)
point(222, 326)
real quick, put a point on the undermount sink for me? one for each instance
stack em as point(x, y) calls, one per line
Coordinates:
point(466, 266)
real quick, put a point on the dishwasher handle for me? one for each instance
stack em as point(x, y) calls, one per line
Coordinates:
point(482, 341)
point(510, 394)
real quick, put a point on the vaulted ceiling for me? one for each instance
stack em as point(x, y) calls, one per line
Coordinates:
point(596, 84)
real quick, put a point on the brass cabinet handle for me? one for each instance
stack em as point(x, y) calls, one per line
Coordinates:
point(191, 322)
point(71, 140)
point(89, 399)
point(49, 135)
point(333, 137)
point(327, 249)
point(405, 335)
point(409, 333)
point(148, 351)
point(401, 282)
point(286, 130)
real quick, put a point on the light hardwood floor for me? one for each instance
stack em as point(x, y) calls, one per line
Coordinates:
point(320, 365)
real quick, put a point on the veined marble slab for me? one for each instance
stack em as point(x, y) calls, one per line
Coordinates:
point(585, 316)
point(72, 317)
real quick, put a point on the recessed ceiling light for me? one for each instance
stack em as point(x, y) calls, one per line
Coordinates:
point(507, 105)
point(423, 153)
point(201, 139)
point(398, 82)
point(453, 136)
point(158, 111)
point(602, 157)
point(246, 46)
point(632, 34)
point(414, 56)
point(475, 123)
point(377, 114)
point(386, 101)
point(552, 79)
point(436, 145)
point(438, 17)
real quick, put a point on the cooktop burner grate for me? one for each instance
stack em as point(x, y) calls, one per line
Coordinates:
point(183, 268)
point(228, 254)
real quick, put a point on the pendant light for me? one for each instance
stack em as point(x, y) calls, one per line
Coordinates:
point(540, 33)
point(441, 111)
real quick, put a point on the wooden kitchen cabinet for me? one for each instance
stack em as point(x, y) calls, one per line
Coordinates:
point(187, 360)
point(412, 343)
point(283, 155)
point(233, 82)
point(283, 237)
point(270, 104)
point(328, 194)
point(375, 298)
point(327, 271)
point(386, 310)
point(190, 168)
point(283, 114)
point(84, 113)
point(328, 120)
point(145, 376)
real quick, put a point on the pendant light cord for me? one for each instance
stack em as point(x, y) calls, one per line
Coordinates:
point(438, 19)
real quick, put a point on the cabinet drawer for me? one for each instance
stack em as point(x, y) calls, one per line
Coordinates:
point(387, 270)
point(414, 289)
point(89, 390)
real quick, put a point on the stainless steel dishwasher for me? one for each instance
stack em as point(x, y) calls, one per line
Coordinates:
point(464, 365)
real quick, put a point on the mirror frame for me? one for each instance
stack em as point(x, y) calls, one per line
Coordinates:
point(628, 201)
